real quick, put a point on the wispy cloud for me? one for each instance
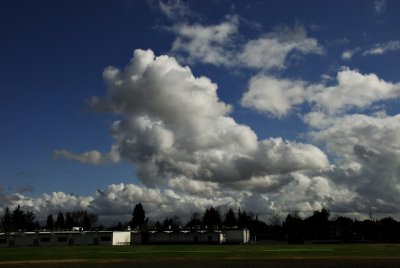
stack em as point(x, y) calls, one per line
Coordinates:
point(219, 45)
point(382, 48)
point(93, 157)
point(379, 6)
point(207, 44)
point(174, 9)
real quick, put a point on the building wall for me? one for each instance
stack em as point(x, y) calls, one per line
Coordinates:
point(183, 237)
point(136, 238)
point(70, 238)
point(64, 239)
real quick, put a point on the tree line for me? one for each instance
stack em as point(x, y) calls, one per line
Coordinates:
point(20, 220)
point(294, 229)
point(320, 226)
point(210, 219)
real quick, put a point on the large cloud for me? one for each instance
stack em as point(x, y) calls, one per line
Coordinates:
point(364, 148)
point(173, 125)
point(306, 194)
point(367, 152)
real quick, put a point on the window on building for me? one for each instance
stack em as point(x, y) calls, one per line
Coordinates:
point(45, 239)
point(105, 238)
point(62, 239)
point(3, 240)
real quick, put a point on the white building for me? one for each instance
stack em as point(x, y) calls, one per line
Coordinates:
point(64, 238)
point(112, 238)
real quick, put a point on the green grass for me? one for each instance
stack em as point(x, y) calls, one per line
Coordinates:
point(252, 252)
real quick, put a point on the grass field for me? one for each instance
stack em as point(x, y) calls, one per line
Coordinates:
point(252, 255)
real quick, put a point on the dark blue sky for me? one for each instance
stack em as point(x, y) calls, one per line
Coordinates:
point(53, 54)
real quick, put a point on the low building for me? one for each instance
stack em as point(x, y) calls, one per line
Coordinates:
point(64, 238)
point(186, 237)
point(112, 238)
point(191, 236)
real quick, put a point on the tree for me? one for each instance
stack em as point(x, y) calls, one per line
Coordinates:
point(317, 225)
point(230, 219)
point(344, 229)
point(172, 223)
point(69, 221)
point(50, 222)
point(293, 226)
point(211, 218)
point(158, 225)
point(60, 221)
point(275, 219)
point(18, 220)
point(195, 221)
point(244, 220)
point(138, 217)
point(29, 221)
point(390, 229)
point(167, 223)
point(86, 222)
point(6, 221)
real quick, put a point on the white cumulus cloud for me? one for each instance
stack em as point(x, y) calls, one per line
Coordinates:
point(174, 126)
point(273, 96)
point(352, 89)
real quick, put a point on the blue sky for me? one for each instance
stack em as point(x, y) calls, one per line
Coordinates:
point(304, 117)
